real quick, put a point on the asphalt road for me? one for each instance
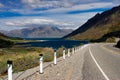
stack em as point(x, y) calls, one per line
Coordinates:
point(101, 63)
point(91, 62)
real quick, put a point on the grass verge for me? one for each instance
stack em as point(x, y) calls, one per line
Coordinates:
point(24, 58)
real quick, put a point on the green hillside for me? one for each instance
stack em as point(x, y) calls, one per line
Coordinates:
point(5, 41)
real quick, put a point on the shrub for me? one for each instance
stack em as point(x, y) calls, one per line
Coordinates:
point(118, 44)
point(5, 43)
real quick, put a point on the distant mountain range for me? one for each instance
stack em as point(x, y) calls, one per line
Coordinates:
point(101, 27)
point(38, 32)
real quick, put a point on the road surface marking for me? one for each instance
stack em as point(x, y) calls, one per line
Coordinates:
point(112, 51)
point(103, 73)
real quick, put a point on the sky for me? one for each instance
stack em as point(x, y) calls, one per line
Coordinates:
point(68, 14)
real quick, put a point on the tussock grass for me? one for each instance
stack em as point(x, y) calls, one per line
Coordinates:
point(25, 58)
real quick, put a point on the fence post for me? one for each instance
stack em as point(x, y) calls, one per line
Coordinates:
point(55, 58)
point(41, 63)
point(9, 62)
point(68, 52)
point(64, 53)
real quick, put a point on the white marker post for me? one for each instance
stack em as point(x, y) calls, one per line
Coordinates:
point(75, 50)
point(68, 52)
point(41, 63)
point(64, 53)
point(55, 57)
point(9, 62)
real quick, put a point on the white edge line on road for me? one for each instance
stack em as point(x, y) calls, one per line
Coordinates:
point(103, 73)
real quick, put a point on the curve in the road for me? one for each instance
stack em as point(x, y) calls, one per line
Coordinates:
point(103, 73)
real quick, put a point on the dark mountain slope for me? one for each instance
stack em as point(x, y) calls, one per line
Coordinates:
point(98, 26)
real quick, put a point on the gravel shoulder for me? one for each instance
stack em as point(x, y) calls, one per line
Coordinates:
point(111, 47)
point(78, 66)
point(68, 69)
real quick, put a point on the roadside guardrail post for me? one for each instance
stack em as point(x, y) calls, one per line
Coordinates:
point(75, 49)
point(68, 52)
point(64, 53)
point(9, 62)
point(55, 57)
point(41, 63)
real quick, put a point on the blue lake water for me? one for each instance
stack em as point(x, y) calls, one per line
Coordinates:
point(54, 43)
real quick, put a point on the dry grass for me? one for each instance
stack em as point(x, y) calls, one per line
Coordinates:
point(25, 58)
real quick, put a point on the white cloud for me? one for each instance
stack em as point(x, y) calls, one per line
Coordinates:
point(82, 7)
point(66, 3)
point(94, 5)
point(9, 23)
point(63, 21)
point(116, 1)
point(67, 9)
point(54, 3)
point(46, 3)
point(1, 5)
point(61, 5)
point(57, 15)
point(76, 19)
point(33, 21)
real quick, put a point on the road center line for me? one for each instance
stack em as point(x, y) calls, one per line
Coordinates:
point(103, 73)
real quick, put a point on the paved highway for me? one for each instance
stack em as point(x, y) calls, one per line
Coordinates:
point(101, 63)
point(91, 62)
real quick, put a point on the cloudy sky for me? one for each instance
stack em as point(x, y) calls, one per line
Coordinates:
point(18, 14)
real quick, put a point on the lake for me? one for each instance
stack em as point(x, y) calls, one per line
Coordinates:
point(54, 43)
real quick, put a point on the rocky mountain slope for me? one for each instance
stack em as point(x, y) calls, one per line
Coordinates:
point(101, 25)
point(39, 32)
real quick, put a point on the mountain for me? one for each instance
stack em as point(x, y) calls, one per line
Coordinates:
point(101, 26)
point(39, 32)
